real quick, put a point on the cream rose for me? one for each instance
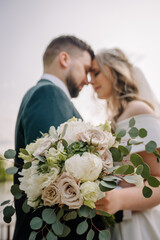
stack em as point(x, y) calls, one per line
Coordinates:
point(70, 192)
point(85, 168)
point(51, 195)
point(107, 159)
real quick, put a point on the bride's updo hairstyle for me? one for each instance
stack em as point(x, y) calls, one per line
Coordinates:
point(124, 82)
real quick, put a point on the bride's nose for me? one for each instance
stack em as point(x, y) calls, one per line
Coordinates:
point(92, 80)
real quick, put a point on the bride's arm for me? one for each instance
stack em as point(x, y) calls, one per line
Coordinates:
point(131, 198)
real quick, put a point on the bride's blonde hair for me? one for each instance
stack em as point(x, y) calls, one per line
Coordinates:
point(123, 79)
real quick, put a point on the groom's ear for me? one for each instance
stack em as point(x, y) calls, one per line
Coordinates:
point(64, 59)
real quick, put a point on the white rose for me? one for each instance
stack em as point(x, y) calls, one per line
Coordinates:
point(69, 191)
point(72, 130)
point(85, 168)
point(94, 136)
point(32, 147)
point(44, 145)
point(30, 183)
point(111, 139)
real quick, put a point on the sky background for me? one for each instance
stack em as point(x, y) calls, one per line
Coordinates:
point(27, 27)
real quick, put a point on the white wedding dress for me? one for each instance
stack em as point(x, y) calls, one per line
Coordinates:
point(144, 225)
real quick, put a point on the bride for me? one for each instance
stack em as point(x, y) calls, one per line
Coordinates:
point(128, 95)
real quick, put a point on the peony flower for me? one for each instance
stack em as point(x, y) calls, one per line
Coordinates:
point(85, 168)
point(94, 136)
point(91, 193)
point(51, 195)
point(69, 191)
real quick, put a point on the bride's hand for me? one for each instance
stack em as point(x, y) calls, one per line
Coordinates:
point(110, 203)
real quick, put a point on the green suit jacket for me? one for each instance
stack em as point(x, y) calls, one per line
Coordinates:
point(44, 105)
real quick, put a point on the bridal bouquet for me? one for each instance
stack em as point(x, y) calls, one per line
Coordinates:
point(67, 170)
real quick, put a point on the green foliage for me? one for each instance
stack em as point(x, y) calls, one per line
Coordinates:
point(120, 133)
point(132, 122)
point(136, 159)
point(104, 235)
point(32, 236)
point(58, 227)
point(151, 147)
point(16, 192)
point(142, 133)
point(25, 207)
point(122, 169)
point(66, 231)
point(51, 236)
point(10, 154)
point(48, 215)
point(82, 227)
point(116, 154)
point(147, 192)
point(70, 215)
point(36, 223)
point(5, 202)
point(153, 182)
point(133, 132)
point(12, 170)
point(90, 234)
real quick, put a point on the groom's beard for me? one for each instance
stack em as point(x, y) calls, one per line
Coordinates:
point(72, 86)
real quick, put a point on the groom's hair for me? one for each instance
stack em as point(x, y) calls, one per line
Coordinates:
point(70, 44)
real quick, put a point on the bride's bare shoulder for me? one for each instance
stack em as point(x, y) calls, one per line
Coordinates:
point(134, 108)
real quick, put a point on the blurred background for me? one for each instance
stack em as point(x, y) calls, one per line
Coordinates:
point(27, 27)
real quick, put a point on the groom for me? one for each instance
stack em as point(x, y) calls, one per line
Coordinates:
point(67, 61)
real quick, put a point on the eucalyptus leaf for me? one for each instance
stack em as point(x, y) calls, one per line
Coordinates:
point(147, 192)
point(146, 171)
point(116, 154)
point(90, 235)
point(51, 236)
point(133, 132)
point(7, 219)
point(58, 227)
point(84, 211)
point(108, 184)
point(104, 235)
point(130, 179)
point(103, 213)
point(92, 213)
point(130, 170)
point(139, 169)
point(33, 235)
point(134, 142)
point(66, 231)
point(132, 122)
point(151, 147)
point(10, 154)
point(49, 216)
point(104, 189)
point(5, 202)
point(16, 192)
point(82, 228)
point(12, 170)
point(8, 211)
point(122, 169)
point(153, 182)
point(120, 133)
point(70, 215)
point(136, 159)
point(25, 207)
point(142, 133)
point(123, 149)
point(111, 178)
point(60, 214)
point(36, 223)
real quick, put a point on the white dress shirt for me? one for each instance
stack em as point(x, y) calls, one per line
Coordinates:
point(57, 82)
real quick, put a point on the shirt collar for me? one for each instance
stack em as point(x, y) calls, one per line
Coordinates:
point(57, 82)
